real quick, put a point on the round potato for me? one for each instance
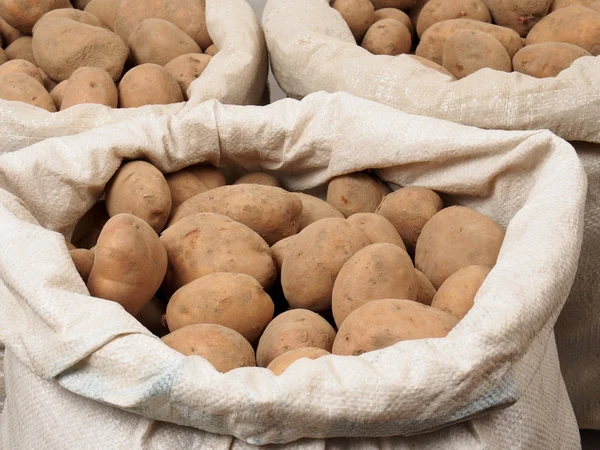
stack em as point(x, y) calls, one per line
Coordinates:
point(186, 68)
point(225, 349)
point(57, 94)
point(90, 85)
point(314, 209)
point(88, 228)
point(84, 261)
point(293, 329)
point(454, 238)
point(376, 272)
point(212, 50)
point(22, 88)
point(358, 14)
point(468, 51)
point(516, 14)
point(377, 229)
point(23, 14)
point(457, 294)
point(425, 290)
point(22, 66)
point(388, 37)
point(8, 34)
point(392, 13)
point(438, 10)
point(152, 317)
point(140, 189)
point(282, 362)
point(104, 10)
point(258, 178)
point(356, 193)
point(21, 48)
point(129, 265)
point(547, 59)
point(432, 65)
point(190, 181)
point(398, 4)
point(234, 300)
point(69, 13)
point(148, 84)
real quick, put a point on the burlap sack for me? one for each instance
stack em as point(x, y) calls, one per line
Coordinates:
point(80, 370)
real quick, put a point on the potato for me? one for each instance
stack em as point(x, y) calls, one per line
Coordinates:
point(3, 58)
point(186, 14)
point(258, 178)
point(516, 14)
point(88, 228)
point(22, 66)
point(358, 14)
point(148, 84)
point(356, 193)
point(186, 68)
point(432, 42)
point(383, 323)
point(377, 229)
point(68, 13)
point(61, 46)
point(57, 94)
point(437, 10)
point(69, 245)
point(270, 211)
point(225, 349)
point(547, 59)
point(8, 34)
point(416, 9)
point(104, 10)
point(48, 82)
point(425, 290)
point(467, 51)
point(23, 14)
point(205, 243)
point(575, 25)
point(297, 328)
point(454, 238)
point(398, 4)
point(90, 85)
point(129, 265)
point(388, 37)
point(457, 293)
point(22, 88)
point(279, 250)
point(81, 4)
point(212, 50)
point(376, 272)
point(282, 362)
point(190, 181)
point(314, 209)
point(316, 256)
point(595, 6)
point(431, 65)
point(21, 49)
point(558, 4)
point(84, 261)
point(392, 13)
point(152, 317)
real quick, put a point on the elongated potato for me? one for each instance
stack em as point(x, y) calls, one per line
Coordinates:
point(192, 180)
point(8, 34)
point(23, 14)
point(438, 10)
point(547, 59)
point(104, 10)
point(187, 68)
point(89, 227)
point(388, 37)
point(282, 362)
point(396, 14)
point(68, 13)
point(21, 49)
point(90, 85)
point(377, 229)
point(58, 93)
point(457, 294)
point(22, 88)
point(314, 209)
point(22, 66)
point(358, 14)
point(129, 265)
point(518, 15)
point(84, 261)
point(432, 65)
point(425, 291)
point(356, 193)
point(258, 178)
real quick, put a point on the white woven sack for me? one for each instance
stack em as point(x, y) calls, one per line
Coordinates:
point(236, 75)
point(61, 342)
point(312, 49)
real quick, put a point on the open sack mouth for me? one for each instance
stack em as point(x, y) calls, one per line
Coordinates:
point(94, 348)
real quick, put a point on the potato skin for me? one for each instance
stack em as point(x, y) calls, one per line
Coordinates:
point(68, 13)
point(212, 50)
point(23, 14)
point(547, 59)
point(90, 85)
point(258, 178)
point(192, 180)
point(293, 329)
point(233, 300)
point(396, 14)
point(89, 227)
point(383, 323)
point(398, 4)
point(454, 238)
point(104, 10)
point(432, 65)
point(270, 211)
point(388, 37)
point(205, 243)
point(8, 34)
point(314, 209)
point(22, 66)
point(84, 261)
point(595, 6)
point(425, 292)
point(377, 229)
point(558, 4)
point(140, 189)
point(148, 84)
point(356, 193)
point(20, 87)
point(225, 349)
point(518, 15)
point(152, 317)
point(468, 51)
point(457, 294)
point(187, 68)
point(376, 272)
point(3, 58)
point(283, 361)
point(575, 25)
point(21, 49)
point(279, 251)
point(438, 10)
point(358, 14)
point(130, 263)
point(58, 93)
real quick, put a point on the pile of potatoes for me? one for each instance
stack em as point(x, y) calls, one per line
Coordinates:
point(539, 38)
point(249, 274)
point(117, 53)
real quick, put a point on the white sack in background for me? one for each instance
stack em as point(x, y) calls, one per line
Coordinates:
point(59, 339)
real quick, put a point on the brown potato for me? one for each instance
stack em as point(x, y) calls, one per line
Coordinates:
point(416, 9)
point(575, 25)
point(68, 13)
point(140, 189)
point(316, 256)
point(432, 65)
point(21, 49)
point(193, 180)
point(22, 66)
point(8, 34)
point(90, 85)
point(212, 50)
point(393, 13)
point(437, 10)
point(282, 362)
point(376, 272)
point(314, 209)
point(3, 58)
point(22, 88)
point(595, 6)
point(57, 94)
point(89, 227)
point(48, 82)
point(518, 15)
point(358, 14)
point(558, 4)
point(270, 211)
point(293, 329)
point(388, 37)
point(130, 263)
point(234, 300)
point(377, 229)
point(457, 294)
point(547, 59)
point(279, 250)
point(454, 238)
point(432, 42)
point(225, 349)
point(398, 4)
point(81, 4)
point(23, 14)
point(186, 14)
point(84, 261)
point(152, 317)
point(258, 178)
point(61, 46)
point(356, 193)
point(69, 245)
point(383, 323)
point(205, 243)
point(425, 291)
point(468, 51)
point(104, 10)
point(148, 84)
point(187, 68)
